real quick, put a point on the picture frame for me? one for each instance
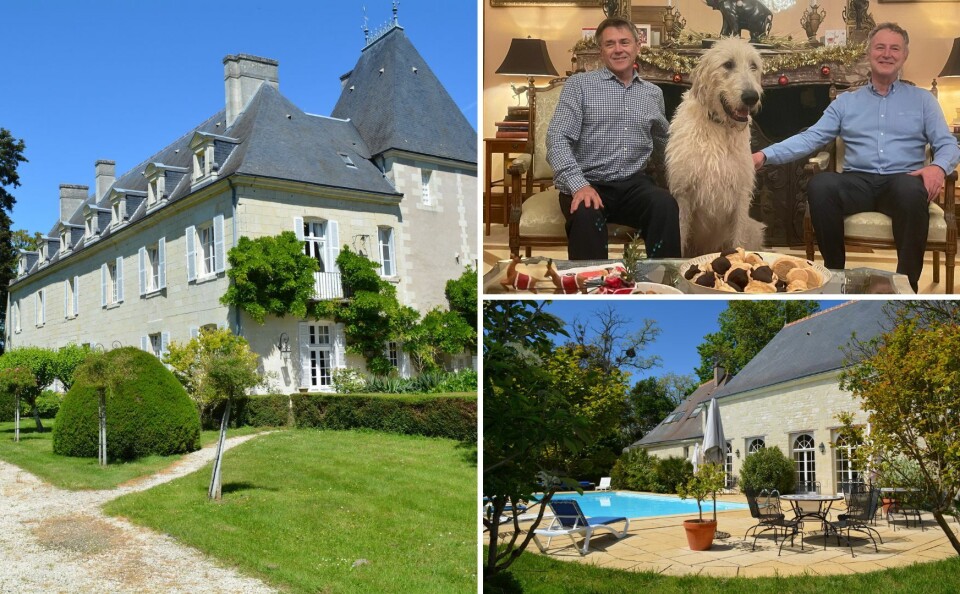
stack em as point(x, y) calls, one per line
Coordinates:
point(650, 16)
point(498, 3)
point(646, 34)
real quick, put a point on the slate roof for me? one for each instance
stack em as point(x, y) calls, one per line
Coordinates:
point(809, 346)
point(686, 425)
point(405, 106)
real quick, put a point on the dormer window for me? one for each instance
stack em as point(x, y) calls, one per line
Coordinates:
point(22, 265)
point(64, 244)
point(155, 191)
point(91, 223)
point(43, 251)
point(209, 151)
point(118, 208)
point(202, 161)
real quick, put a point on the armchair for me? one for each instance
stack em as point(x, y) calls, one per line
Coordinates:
point(538, 220)
point(875, 230)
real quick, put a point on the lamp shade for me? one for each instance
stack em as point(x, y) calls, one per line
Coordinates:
point(952, 67)
point(527, 57)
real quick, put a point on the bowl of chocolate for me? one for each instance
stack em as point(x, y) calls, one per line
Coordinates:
point(740, 271)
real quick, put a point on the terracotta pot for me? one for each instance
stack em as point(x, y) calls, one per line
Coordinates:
point(700, 534)
point(886, 503)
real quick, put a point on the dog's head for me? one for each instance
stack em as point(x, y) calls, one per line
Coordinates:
point(727, 80)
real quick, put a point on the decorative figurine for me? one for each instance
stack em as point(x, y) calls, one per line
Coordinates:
point(751, 15)
point(566, 284)
point(519, 281)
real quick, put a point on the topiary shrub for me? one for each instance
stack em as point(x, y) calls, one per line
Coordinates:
point(768, 468)
point(148, 411)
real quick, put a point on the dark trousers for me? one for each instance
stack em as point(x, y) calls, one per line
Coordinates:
point(637, 202)
point(901, 197)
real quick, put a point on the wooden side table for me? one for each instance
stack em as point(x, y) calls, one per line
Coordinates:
point(505, 147)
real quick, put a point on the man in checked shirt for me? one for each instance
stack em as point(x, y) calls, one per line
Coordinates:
point(607, 125)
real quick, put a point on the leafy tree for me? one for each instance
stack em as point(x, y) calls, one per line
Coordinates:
point(462, 296)
point(745, 328)
point(42, 364)
point(649, 401)
point(271, 275)
point(68, 359)
point(768, 468)
point(708, 479)
point(191, 363)
point(22, 240)
point(11, 155)
point(439, 333)
point(14, 381)
point(607, 341)
point(908, 382)
point(230, 375)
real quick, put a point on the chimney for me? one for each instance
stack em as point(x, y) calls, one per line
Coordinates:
point(71, 198)
point(242, 76)
point(106, 175)
point(719, 373)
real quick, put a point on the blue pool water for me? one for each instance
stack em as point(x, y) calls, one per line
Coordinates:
point(641, 505)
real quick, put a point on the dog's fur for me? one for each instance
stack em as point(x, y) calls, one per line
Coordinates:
point(709, 165)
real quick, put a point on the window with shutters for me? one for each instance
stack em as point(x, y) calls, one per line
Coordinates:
point(111, 283)
point(387, 263)
point(114, 286)
point(15, 312)
point(155, 345)
point(153, 276)
point(41, 313)
point(315, 243)
point(71, 299)
point(206, 256)
point(318, 355)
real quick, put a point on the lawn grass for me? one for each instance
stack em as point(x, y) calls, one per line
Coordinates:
point(34, 453)
point(301, 508)
point(539, 574)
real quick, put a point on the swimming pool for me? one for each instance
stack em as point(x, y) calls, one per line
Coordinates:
point(641, 505)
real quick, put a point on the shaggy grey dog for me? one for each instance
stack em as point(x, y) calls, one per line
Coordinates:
point(709, 168)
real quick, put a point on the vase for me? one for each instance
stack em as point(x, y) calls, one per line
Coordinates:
point(700, 533)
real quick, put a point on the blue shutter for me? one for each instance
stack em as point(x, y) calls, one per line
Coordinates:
point(191, 234)
point(120, 279)
point(103, 284)
point(219, 255)
point(333, 244)
point(162, 262)
point(142, 259)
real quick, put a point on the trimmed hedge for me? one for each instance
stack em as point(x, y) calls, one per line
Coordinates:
point(268, 410)
point(148, 412)
point(450, 417)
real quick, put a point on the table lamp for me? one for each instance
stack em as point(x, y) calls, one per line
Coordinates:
point(952, 68)
point(527, 57)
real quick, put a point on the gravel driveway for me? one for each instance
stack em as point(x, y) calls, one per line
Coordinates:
point(53, 540)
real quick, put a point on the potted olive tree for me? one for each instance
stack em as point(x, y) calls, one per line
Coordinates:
point(707, 480)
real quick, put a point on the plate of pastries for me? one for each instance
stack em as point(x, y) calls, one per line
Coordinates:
point(739, 271)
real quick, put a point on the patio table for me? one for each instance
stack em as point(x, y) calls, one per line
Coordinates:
point(824, 502)
point(667, 271)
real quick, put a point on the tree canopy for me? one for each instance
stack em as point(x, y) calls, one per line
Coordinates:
point(607, 340)
point(908, 382)
point(745, 328)
point(11, 155)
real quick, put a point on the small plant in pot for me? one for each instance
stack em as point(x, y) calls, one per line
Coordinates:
point(707, 480)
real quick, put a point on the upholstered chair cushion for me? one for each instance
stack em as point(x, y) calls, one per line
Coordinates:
point(874, 225)
point(541, 215)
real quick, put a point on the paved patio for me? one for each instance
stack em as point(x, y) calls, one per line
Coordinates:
point(660, 545)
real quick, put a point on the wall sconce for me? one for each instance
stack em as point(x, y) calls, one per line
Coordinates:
point(737, 452)
point(284, 346)
point(823, 448)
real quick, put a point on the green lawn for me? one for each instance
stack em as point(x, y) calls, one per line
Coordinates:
point(538, 574)
point(301, 508)
point(34, 453)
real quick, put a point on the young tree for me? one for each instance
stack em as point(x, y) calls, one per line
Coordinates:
point(745, 328)
point(462, 296)
point(14, 381)
point(908, 382)
point(100, 375)
point(230, 375)
point(11, 155)
point(68, 359)
point(42, 364)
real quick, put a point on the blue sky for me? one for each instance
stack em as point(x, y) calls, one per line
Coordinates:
point(683, 324)
point(112, 79)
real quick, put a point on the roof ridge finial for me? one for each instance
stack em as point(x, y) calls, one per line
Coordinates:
point(396, 3)
point(366, 29)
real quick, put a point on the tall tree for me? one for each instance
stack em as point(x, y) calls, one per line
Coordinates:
point(745, 328)
point(11, 155)
point(650, 401)
point(610, 341)
point(908, 382)
point(22, 240)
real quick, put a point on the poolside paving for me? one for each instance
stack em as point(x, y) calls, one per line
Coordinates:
point(660, 545)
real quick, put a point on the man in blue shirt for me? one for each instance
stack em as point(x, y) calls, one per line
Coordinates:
point(607, 124)
point(886, 126)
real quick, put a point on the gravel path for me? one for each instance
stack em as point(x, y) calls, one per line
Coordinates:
point(53, 540)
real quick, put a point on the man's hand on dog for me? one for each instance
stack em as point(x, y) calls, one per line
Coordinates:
point(759, 159)
point(586, 196)
point(932, 177)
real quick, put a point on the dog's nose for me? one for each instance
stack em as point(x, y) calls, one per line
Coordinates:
point(750, 98)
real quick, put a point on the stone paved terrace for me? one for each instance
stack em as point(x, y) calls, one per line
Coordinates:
point(660, 545)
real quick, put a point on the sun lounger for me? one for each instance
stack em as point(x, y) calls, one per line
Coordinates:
point(604, 484)
point(569, 521)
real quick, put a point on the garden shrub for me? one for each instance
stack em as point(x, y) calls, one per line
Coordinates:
point(768, 468)
point(450, 417)
point(672, 471)
point(635, 470)
point(48, 403)
point(7, 404)
point(348, 380)
point(148, 411)
point(465, 380)
point(259, 410)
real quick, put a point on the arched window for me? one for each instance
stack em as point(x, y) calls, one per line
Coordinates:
point(804, 455)
point(847, 474)
point(755, 445)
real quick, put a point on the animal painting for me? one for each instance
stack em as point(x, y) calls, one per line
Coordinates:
point(709, 165)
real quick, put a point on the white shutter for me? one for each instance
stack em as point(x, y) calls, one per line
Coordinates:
point(191, 234)
point(333, 244)
point(304, 355)
point(194, 332)
point(339, 347)
point(103, 284)
point(76, 295)
point(162, 262)
point(145, 343)
point(164, 343)
point(66, 298)
point(120, 279)
point(142, 258)
point(219, 256)
point(298, 227)
point(393, 254)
